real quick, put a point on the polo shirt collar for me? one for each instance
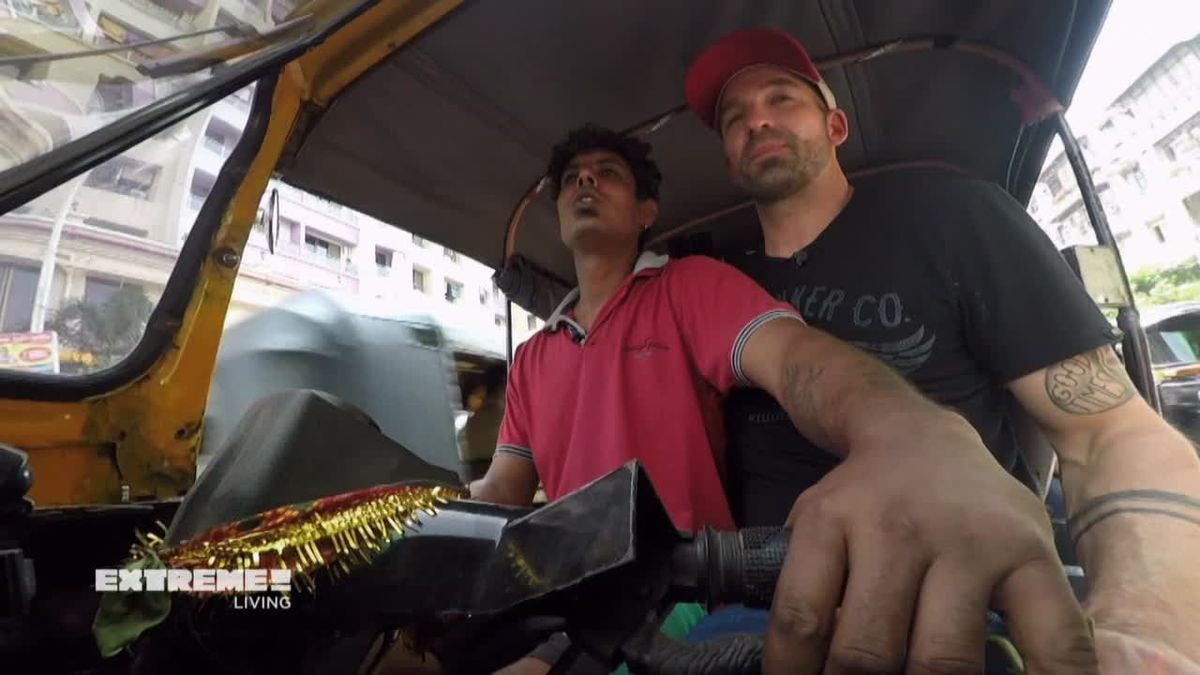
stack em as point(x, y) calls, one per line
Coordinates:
point(648, 262)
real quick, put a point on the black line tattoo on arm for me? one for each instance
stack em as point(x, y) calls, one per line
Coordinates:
point(1090, 383)
point(1148, 502)
point(1075, 537)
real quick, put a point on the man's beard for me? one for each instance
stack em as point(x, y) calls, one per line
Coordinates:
point(775, 178)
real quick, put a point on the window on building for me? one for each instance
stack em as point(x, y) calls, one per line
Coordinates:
point(1191, 203)
point(126, 176)
point(1155, 227)
point(499, 320)
point(1184, 145)
point(531, 322)
point(420, 280)
point(383, 261)
point(1136, 177)
point(418, 241)
point(99, 290)
point(18, 286)
point(322, 249)
point(484, 296)
point(115, 32)
point(28, 72)
point(1055, 185)
point(450, 253)
point(454, 291)
point(214, 141)
point(201, 187)
point(112, 93)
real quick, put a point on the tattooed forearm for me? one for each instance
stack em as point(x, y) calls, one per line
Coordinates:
point(1173, 505)
point(821, 396)
point(800, 389)
point(1089, 383)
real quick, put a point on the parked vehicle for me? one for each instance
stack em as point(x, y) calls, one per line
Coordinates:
point(1173, 333)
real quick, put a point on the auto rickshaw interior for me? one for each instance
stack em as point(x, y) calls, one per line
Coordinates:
point(437, 116)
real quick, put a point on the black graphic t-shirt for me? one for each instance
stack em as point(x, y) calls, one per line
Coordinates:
point(943, 277)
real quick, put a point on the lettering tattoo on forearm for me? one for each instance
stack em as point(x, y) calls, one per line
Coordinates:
point(1089, 383)
point(1142, 502)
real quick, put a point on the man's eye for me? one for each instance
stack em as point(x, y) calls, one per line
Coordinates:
point(608, 172)
point(731, 120)
point(569, 177)
point(780, 98)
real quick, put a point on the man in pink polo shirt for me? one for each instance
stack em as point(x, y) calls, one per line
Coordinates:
point(635, 364)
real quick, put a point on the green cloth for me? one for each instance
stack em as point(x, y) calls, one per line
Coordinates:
point(123, 616)
point(682, 619)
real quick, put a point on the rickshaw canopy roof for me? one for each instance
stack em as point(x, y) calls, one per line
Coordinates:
point(445, 136)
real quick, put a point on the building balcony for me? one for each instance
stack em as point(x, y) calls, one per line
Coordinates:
point(170, 11)
point(250, 11)
point(294, 263)
point(232, 111)
point(209, 160)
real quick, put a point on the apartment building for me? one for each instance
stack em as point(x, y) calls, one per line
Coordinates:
point(1145, 161)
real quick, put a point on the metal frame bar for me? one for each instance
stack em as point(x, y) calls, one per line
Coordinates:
point(508, 343)
point(1135, 348)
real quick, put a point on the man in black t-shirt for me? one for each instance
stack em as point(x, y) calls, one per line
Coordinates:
point(947, 279)
point(891, 274)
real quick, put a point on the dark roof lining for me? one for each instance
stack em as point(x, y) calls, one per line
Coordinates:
point(484, 94)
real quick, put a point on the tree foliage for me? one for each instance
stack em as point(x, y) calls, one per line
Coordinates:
point(109, 331)
point(1162, 285)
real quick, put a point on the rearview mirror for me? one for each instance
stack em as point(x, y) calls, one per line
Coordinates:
point(273, 220)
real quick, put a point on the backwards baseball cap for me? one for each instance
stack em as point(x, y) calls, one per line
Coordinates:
point(742, 50)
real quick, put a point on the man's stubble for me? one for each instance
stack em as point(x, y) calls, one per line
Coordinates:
point(776, 178)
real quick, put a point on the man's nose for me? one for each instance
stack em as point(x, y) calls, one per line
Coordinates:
point(757, 119)
point(585, 178)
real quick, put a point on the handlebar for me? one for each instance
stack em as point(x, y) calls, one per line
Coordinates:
point(723, 568)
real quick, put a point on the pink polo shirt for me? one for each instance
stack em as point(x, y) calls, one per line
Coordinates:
point(645, 383)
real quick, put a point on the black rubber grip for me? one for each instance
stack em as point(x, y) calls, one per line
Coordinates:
point(734, 567)
point(763, 551)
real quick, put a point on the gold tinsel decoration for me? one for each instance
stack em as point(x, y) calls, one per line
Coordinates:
point(337, 534)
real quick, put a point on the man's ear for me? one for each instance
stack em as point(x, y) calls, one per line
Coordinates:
point(837, 126)
point(647, 213)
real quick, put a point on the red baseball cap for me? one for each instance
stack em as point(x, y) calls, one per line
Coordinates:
point(738, 51)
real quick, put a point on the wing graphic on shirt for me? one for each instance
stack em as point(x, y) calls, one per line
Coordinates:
point(905, 355)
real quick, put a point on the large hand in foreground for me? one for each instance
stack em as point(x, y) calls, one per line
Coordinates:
point(913, 539)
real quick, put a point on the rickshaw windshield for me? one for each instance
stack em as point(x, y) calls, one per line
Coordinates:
point(83, 265)
point(68, 68)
